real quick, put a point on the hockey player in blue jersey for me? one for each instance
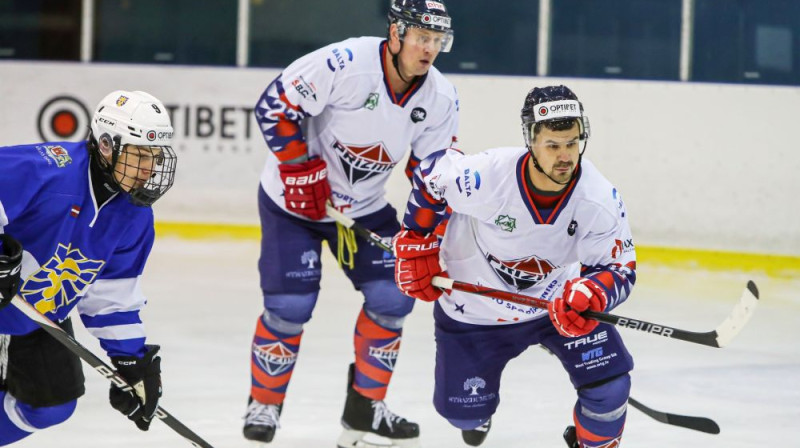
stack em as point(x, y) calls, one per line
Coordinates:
point(539, 219)
point(76, 228)
point(337, 122)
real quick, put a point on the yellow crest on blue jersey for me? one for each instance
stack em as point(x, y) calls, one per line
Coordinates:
point(60, 280)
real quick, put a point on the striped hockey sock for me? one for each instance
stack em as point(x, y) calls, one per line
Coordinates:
point(376, 352)
point(272, 363)
point(590, 439)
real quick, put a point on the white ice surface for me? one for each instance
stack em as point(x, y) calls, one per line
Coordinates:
point(204, 299)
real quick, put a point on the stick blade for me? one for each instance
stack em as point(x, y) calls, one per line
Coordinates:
point(740, 315)
point(701, 424)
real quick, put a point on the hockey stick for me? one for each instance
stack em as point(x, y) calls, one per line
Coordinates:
point(719, 337)
point(104, 369)
point(701, 424)
point(696, 423)
point(367, 234)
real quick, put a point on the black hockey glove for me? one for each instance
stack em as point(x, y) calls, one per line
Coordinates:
point(144, 375)
point(10, 261)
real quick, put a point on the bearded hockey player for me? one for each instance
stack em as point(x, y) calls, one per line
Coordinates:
point(538, 219)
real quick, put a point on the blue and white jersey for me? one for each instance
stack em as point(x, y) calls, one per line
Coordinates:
point(498, 237)
point(75, 254)
point(336, 103)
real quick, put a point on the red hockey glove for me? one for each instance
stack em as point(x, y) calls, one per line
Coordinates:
point(306, 187)
point(579, 295)
point(417, 264)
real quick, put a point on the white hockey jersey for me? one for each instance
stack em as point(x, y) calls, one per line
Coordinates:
point(498, 238)
point(336, 103)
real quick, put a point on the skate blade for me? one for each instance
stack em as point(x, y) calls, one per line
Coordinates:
point(351, 438)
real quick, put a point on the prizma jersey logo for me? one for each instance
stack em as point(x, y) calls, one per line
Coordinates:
point(60, 280)
point(363, 162)
point(521, 273)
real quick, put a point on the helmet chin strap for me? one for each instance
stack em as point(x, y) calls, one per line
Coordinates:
point(395, 62)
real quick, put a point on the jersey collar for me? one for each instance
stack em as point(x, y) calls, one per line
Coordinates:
point(403, 99)
point(527, 195)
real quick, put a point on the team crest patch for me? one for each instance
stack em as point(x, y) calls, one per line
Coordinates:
point(122, 100)
point(521, 273)
point(61, 280)
point(275, 357)
point(372, 101)
point(573, 226)
point(360, 163)
point(59, 155)
point(387, 354)
point(418, 114)
point(506, 222)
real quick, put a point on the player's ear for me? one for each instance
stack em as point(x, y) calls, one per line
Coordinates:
point(394, 35)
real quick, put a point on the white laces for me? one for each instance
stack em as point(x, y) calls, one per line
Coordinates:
point(484, 427)
point(381, 412)
point(262, 414)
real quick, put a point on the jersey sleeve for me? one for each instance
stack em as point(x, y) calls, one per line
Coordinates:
point(608, 256)
point(448, 178)
point(110, 308)
point(302, 90)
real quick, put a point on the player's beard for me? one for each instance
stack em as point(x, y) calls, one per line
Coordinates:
point(562, 176)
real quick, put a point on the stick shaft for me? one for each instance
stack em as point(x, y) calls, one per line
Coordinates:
point(716, 338)
point(709, 338)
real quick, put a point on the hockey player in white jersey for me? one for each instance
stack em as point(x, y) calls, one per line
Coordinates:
point(337, 121)
point(76, 229)
point(541, 220)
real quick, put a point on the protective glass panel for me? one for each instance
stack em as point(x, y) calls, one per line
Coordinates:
point(747, 41)
point(167, 32)
point(632, 39)
point(40, 30)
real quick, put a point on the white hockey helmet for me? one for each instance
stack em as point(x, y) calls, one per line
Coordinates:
point(138, 118)
point(147, 170)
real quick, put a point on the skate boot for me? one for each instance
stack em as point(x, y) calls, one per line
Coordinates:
point(571, 437)
point(261, 421)
point(474, 437)
point(363, 416)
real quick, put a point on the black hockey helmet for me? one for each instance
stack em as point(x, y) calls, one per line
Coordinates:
point(558, 106)
point(425, 14)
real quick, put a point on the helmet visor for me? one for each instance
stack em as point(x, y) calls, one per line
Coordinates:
point(584, 130)
point(434, 40)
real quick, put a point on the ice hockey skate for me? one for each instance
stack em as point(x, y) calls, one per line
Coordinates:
point(364, 419)
point(261, 421)
point(475, 437)
point(571, 437)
